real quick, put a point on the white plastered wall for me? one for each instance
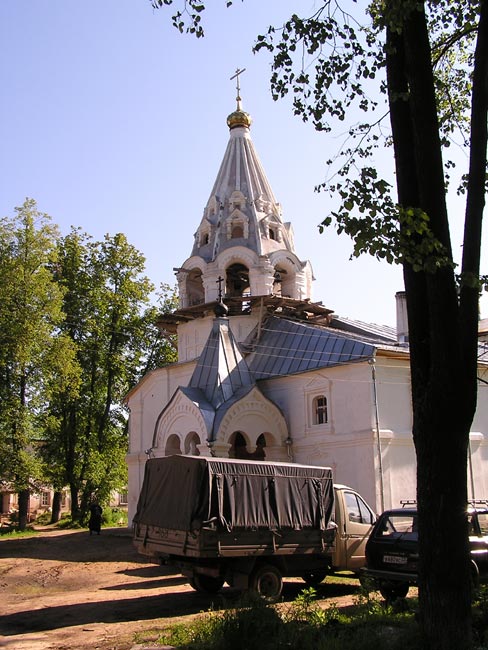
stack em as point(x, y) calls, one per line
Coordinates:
point(145, 403)
point(192, 336)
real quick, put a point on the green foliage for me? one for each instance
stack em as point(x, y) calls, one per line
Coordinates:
point(303, 625)
point(77, 331)
point(188, 19)
point(332, 64)
point(11, 533)
point(114, 517)
point(110, 325)
point(30, 316)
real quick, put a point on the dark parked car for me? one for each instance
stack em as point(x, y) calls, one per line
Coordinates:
point(392, 549)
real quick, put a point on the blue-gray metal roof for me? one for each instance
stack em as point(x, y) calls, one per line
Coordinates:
point(286, 347)
point(221, 369)
point(380, 333)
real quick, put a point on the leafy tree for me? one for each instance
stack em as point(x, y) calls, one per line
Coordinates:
point(110, 323)
point(431, 62)
point(30, 314)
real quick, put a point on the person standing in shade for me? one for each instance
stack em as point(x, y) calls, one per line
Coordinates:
point(95, 521)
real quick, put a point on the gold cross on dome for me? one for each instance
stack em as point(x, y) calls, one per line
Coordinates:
point(238, 88)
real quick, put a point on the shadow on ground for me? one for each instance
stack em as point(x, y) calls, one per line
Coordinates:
point(113, 545)
point(157, 606)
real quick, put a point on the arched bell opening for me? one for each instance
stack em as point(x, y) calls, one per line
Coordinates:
point(237, 281)
point(237, 285)
point(194, 288)
point(284, 282)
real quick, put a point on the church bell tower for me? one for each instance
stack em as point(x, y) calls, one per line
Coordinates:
point(242, 246)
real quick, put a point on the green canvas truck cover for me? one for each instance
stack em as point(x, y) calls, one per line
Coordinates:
point(192, 492)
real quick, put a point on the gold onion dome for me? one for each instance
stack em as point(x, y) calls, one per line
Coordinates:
point(239, 118)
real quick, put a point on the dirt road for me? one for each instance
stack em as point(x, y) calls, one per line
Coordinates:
point(63, 590)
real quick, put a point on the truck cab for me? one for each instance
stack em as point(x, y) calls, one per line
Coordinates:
point(354, 520)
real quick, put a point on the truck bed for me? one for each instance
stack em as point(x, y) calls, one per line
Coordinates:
point(158, 542)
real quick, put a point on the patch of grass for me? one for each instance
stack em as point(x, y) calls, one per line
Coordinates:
point(13, 533)
point(480, 616)
point(66, 523)
point(302, 625)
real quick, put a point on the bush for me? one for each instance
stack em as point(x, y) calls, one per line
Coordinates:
point(114, 517)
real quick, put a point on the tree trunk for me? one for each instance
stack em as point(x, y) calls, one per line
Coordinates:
point(442, 408)
point(56, 507)
point(75, 508)
point(23, 498)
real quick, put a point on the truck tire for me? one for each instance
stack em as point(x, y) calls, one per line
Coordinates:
point(266, 582)
point(206, 584)
point(314, 578)
point(393, 590)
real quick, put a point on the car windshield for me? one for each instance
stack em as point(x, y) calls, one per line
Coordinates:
point(396, 525)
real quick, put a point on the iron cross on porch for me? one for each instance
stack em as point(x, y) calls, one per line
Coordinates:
point(219, 282)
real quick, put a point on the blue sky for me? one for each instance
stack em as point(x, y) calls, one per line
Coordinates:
point(113, 121)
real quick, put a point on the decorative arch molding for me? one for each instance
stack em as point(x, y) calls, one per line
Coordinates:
point(287, 260)
point(237, 255)
point(319, 381)
point(180, 416)
point(192, 263)
point(237, 200)
point(253, 415)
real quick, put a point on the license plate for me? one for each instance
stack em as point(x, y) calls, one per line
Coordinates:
point(394, 559)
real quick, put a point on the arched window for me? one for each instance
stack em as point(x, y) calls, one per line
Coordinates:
point(172, 445)
point(260, 453)
point(272, 234)
point(191, 444)
point(239, 446)
point(320, 414)
point(237, 231)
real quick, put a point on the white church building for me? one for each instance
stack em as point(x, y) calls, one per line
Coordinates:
point(265, 372)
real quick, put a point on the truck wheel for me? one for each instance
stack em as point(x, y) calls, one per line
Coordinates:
point(393, 590)
point(314, 578)
point(206, 584)
point(266, 582)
